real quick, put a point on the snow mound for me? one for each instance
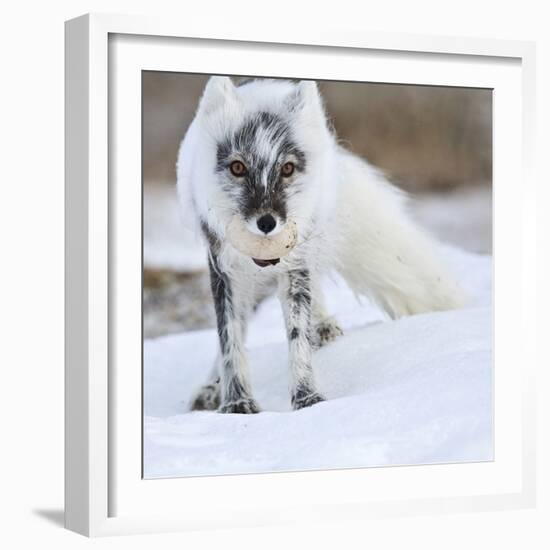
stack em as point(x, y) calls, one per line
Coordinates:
point(413, 391)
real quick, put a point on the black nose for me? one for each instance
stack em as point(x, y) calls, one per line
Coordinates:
point(266, 223)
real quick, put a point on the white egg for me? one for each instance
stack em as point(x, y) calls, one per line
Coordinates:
point(261, 247)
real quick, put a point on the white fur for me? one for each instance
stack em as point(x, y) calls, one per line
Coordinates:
point(349, 217)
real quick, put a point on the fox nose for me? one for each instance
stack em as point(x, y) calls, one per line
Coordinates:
point(266, 223)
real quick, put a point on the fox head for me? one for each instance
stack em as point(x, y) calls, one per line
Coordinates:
point(256, 151)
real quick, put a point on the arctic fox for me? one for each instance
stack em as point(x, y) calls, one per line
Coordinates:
point(261, 157)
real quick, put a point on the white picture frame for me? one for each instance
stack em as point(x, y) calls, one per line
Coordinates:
point(104, 53)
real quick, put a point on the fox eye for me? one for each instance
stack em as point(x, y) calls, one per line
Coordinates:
point(288, 169)
point(238, 169)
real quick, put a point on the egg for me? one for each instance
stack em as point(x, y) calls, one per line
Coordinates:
point(262, 247)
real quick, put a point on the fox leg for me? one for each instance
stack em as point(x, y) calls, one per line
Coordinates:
point(231, 313)
point(296, 301)
point(325, 327)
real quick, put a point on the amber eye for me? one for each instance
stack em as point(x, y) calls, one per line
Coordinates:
point(238, 169)
point(288, 169)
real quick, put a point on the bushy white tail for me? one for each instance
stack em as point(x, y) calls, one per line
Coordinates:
point(381, 252)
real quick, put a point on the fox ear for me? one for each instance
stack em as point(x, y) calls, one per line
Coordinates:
point(219, 90)
point(306, 99)
point(309, 92)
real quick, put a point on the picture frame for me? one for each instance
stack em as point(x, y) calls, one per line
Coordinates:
point(104, 491)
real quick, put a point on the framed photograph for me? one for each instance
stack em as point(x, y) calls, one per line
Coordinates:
point(297, 276)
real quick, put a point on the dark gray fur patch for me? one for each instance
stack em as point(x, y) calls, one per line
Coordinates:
point(301, 391)
point(299, 297)
point(305, 396)
point(222, 295)
point(246, 405)
point(234, 390)
point(253, 197)
point(298, 290)
point(220, 287)
point(211, 238)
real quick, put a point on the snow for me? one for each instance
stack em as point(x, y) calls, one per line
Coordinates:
point(168, 241)
point(413, 391)
point(462, 217)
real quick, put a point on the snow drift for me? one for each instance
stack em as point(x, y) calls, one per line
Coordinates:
point(413, 391)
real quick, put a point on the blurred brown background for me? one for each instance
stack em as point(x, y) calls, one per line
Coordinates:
point(434, 142)
point(424, 137)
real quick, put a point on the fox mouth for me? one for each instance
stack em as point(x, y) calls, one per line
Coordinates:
point(263, 250)
point(265, 263)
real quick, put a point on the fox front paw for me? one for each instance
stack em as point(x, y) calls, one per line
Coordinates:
point(244, 405)
point(302, 400)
